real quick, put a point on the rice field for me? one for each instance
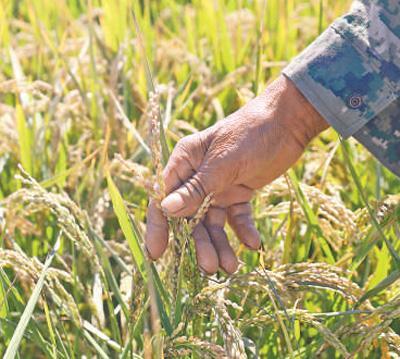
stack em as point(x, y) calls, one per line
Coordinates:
point(93, 97)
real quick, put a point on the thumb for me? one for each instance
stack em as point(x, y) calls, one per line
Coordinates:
point(186, 200)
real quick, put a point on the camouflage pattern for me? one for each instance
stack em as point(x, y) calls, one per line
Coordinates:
point(381, 136)
point(351, 74)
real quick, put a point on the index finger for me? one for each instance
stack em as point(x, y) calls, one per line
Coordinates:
point(156, 238)
point(178, 169)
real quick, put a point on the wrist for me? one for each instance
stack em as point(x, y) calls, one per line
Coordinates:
point(294, 112)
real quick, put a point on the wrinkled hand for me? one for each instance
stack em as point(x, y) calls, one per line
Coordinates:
point(231, 159)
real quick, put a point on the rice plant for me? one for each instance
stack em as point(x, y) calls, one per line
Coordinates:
point(93, 97)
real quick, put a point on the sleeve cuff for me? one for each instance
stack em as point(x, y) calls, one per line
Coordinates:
point(341, 81)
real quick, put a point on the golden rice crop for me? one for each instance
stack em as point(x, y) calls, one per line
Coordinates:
point(92, 94)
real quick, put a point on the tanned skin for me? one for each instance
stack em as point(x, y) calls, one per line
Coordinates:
point(242, 153)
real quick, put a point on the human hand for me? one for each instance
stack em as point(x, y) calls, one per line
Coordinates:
point(243, 152)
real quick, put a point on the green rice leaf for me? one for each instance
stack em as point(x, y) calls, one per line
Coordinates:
point(148, 272)
point(389, 280)
point(50, 327)
point(3, 300)
point(124, 222)
point(382, 266)
point(150, 85)
point(375, 223)
point(24, 139)
point(311, 217)
point(12, 349)
point(95, 345)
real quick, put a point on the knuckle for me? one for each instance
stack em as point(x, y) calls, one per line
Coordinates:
point(216, 218)
point(240, 209)
point(195, 188)
point(200, 186)
point(186, 144)
point(181, 151)
point(188, 149)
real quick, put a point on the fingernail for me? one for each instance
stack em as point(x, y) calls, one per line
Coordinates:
point(172, 203)
point(252, 248)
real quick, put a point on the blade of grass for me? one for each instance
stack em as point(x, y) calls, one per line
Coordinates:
point(389, 280)
point(311, 217)
point(155, 276)
point(111, 280)
point(134, 330)
point(98, 333)
point(124, 222)
point(24, 139)
point(3, 300)
point(356, 179)
point(12, 349)
point(11, 287)
point(95, 345)
point(371, 239)
point(273, 293)
point(151, 87)
point(125, 121)
point(51, 330)
point(131, 234)
point(65, 340)
point(64, 174)
point(382, 268)
point(259, 52)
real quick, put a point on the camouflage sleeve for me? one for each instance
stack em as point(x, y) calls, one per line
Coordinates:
point(351, 74)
